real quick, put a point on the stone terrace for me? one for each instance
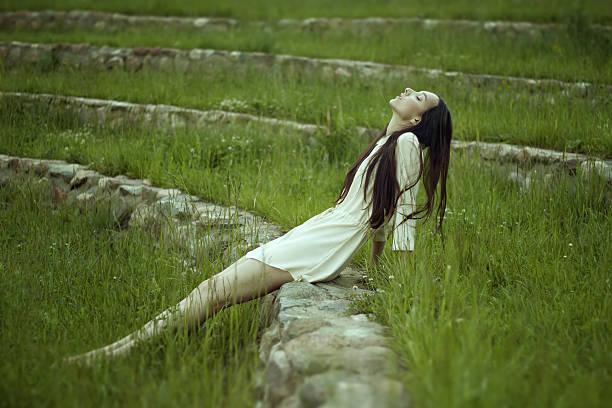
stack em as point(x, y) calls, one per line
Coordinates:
point(49, 19)
point(108, 112)
point(13, 53)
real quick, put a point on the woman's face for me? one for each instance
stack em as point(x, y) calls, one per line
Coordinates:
point(410, 105)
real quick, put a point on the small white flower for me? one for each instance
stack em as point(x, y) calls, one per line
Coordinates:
point(564, 256)
point(380, 290)
point(365, 276)
point(370, 280)
point(571, 245)
point(354, 287)
point(192, 150)
point(391, 277)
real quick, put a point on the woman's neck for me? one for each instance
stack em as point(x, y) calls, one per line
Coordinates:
point(395, 124)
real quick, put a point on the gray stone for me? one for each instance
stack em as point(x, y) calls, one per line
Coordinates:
point(83, 197)
point(130, 190)
point(81, 177)
point(280, 373)
point(176, 206)
point(65, 171)
point(133, 63)
point(114, 63)
point(166, 64)
point(163, 193)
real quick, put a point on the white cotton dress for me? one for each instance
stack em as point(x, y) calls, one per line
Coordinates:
point(320, 248)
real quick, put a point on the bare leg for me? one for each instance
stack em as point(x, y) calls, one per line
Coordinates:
point(242, 281)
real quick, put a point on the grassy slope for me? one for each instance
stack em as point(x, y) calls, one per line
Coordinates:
point(547, 118)
point(574, 55)
point(76, 283)
point(538, 10)
point(515, 312)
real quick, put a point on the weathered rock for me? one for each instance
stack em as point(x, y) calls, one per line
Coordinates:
point(81, 177)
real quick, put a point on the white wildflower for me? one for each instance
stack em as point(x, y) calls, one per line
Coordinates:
point(354, 287)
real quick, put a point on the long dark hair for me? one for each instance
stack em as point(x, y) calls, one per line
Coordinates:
point(434, 131)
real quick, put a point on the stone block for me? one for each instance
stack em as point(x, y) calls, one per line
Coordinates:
point(128, 190)
point(114, 63)
point(297, 327)
point(64, 171)
point(280, 373)
point(269, 339)
point(85, 177)
point(133, 63)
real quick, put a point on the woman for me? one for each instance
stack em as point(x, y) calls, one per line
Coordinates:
point(381, 186)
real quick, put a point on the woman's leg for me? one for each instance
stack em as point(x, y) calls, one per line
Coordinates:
point(242, 281)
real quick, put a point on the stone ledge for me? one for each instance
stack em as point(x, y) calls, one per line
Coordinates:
point(14, 53)
point(314, 353)
point(108, 112)
point(97, 20)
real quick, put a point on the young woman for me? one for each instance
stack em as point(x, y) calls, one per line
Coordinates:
point(379, 193)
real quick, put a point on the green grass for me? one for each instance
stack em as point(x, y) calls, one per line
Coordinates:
point(517, 310)
point(71, 281)
point(578, 54)
point(508, 314)
point(545, 118)
point(539, 10)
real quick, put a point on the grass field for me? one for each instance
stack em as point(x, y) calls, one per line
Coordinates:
point(538, 10)
point(577, 53)
point(514, 310)
point(71, 281)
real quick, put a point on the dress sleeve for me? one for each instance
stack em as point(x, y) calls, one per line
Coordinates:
point(407, 156)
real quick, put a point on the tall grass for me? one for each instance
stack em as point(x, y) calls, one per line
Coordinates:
point(549, 10)
point(547, 118)
point(576, 54)
point(515, 311)
point(71, 281)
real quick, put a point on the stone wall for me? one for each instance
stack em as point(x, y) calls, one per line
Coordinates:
point(96, 20)
point(315, 352)
point(105, 112)
point(13, 53)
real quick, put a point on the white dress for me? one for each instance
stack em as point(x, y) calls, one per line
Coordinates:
point(318, 249)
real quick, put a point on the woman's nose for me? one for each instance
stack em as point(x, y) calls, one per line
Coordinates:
point(408, 90)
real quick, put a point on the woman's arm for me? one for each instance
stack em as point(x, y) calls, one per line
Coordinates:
point(407, 171)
